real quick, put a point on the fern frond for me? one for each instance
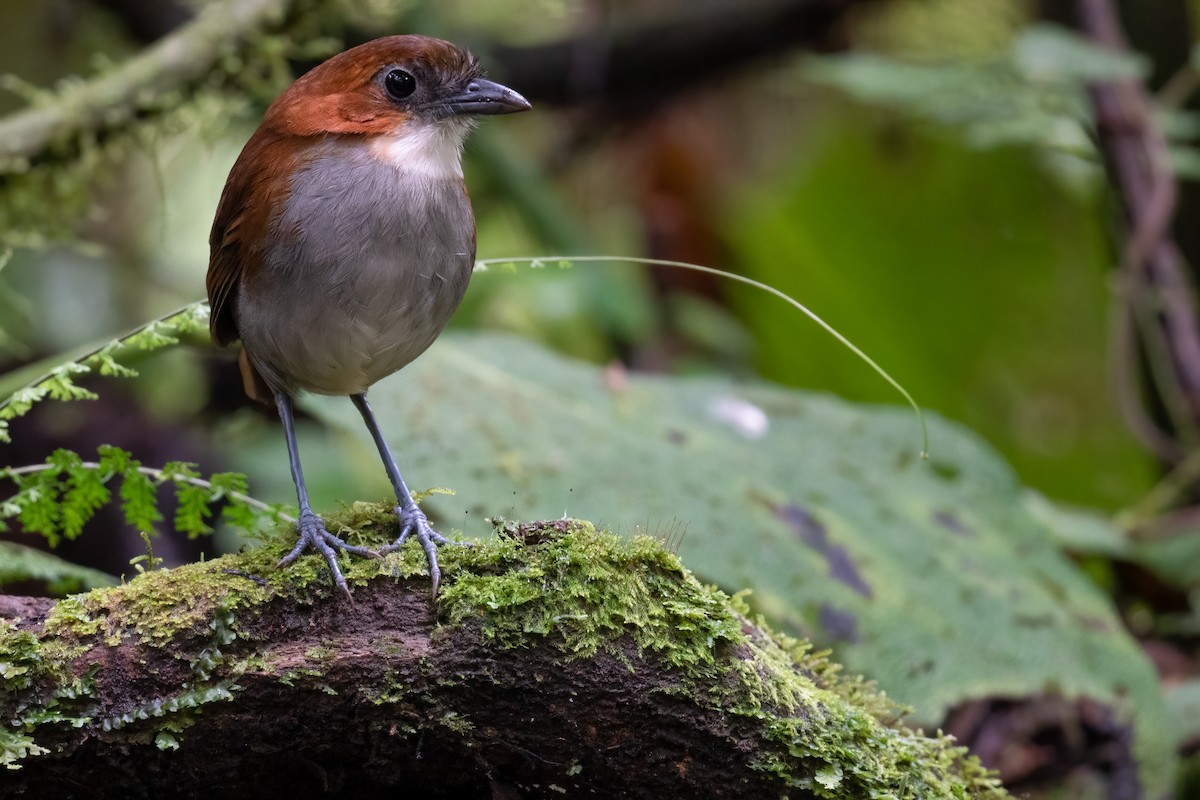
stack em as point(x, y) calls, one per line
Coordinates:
point(191, 500)
point(59, 382)
point(58, 497)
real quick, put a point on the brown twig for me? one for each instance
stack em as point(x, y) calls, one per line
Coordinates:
point(1123, 347)
point(1158, 316)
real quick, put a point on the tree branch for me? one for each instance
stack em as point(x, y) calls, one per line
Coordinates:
point(557, 662)
point(1158, 298)
point(112, 99)
point(631, 59)
point(632, 62)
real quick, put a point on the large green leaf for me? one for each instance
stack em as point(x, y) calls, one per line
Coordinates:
point(19, 563)
point(931, 577)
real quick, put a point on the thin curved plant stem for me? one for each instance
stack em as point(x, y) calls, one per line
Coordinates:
point(485, 263)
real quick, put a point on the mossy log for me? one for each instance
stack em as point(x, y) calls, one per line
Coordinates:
point(557, 661)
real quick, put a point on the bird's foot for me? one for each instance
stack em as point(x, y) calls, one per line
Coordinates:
point(414, 522)
point(313, 535)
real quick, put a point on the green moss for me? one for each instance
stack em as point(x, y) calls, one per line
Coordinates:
point(587, 592)
point(563, 585)
point(155, 606)
point(254, 662)
point(320, 654)
point(31, 668)
point(42, 200)
point(50, 694)
point(159, 605)
point(198, 602)
point(189, 700)
point(38, 689)
point(20, 660)
point(16, 746)
point(392, 690)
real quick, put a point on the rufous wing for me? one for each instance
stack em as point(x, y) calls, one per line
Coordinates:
point(254, 194)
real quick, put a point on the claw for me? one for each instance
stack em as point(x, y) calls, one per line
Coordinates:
point(413, 521)
point(313, 535)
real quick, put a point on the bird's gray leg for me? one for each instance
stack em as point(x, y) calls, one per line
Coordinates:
point(412, 519)
point(311, 527)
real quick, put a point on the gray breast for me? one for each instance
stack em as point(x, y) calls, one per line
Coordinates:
point(367, 265)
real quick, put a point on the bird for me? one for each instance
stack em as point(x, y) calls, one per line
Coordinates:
point(344, 240)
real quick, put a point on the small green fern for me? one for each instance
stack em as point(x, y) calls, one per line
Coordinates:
point(58, 497)
point(59, 382)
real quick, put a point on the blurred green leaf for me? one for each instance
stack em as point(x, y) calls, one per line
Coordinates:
point(1078, 530)
point(1051, 53)
point(1031, 95)
point(1185, 162)
point(972, 276)
point(20, 563)
point(1174, 558)
point(1183, 699)
point(1178, 123)
point(930, 577)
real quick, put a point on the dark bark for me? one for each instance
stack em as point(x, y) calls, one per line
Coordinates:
point(533, 719)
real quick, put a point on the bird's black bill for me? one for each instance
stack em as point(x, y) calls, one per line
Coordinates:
point(483, 97)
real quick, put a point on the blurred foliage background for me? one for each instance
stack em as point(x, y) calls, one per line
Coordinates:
point(972, 267)
point(921, 173)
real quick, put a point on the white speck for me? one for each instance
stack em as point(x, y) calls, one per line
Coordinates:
point(744, 417)
point(616, 379)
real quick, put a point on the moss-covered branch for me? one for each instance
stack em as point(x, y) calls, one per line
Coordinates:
point(112, 99)
point(558, 661)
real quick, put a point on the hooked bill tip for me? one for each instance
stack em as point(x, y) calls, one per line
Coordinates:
point(482, 96)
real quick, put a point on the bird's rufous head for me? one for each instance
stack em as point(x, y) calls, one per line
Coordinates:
point(380, 87)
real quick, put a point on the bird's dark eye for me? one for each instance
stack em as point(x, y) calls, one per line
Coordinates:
point(399, 84)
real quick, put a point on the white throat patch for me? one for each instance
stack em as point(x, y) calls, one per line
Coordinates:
point(432, 150)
